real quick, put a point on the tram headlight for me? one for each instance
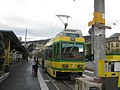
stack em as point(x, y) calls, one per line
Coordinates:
point(65, 66)
point(80, 66)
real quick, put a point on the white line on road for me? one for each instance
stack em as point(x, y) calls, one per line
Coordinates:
point(42, 82)
point(92, 72)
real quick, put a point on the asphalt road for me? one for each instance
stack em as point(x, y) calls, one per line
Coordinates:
point(21, 79)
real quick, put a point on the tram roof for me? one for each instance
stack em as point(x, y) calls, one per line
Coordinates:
point(15, 42)
point(66, 39)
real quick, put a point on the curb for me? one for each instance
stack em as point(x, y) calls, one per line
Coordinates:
point(2, 78)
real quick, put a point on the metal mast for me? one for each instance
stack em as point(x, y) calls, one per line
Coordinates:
point(66, 16)
point(25, 37)
point(98, 34)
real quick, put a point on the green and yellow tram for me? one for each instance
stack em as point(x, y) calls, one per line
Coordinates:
point(65, 55)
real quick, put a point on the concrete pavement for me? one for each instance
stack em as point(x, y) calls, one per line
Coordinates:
point(21, 78)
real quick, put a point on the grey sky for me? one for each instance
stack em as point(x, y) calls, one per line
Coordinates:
point(38, 16)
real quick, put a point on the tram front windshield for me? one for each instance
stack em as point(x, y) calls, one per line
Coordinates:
point(72, 51)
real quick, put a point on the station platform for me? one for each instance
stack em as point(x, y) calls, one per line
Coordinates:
point(21, 78)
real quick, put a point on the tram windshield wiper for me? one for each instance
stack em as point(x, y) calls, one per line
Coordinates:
point(72, 47)
point(65, 48)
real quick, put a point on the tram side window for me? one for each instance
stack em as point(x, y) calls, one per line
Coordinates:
point(54, 54)
point(46, 54)
point(56, 51)
point(50, 51)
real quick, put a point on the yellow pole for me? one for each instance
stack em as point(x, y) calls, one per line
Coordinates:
point(8, 52)
point(119, 82)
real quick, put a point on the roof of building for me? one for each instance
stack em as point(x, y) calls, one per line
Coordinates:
point(15, 42)
point(115, 35)
point(88, 36)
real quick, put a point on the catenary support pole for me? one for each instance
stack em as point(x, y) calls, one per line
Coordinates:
point(98, 34)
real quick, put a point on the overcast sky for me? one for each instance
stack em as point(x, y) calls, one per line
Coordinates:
point(39, 16)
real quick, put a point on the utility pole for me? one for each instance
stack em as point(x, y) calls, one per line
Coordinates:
point(25, 37)
point(26, 54)
point(98, 34)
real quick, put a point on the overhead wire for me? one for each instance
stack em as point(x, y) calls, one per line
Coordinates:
point(36, 34)
point(49, 28)
point(49, 31)
point(52, 28)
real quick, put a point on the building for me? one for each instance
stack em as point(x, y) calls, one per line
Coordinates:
point(11, 50)
point(113, 44)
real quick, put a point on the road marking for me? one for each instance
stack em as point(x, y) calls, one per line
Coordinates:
point(92, 72)
point(91, 78)
point(47, 80)
point(2, 78)
point(42, 82)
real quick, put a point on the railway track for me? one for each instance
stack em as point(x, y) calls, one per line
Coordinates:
point(70, 84)
point(62, 84)
point(65, 83)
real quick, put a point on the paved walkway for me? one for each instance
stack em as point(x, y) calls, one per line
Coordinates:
point(21, 79)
